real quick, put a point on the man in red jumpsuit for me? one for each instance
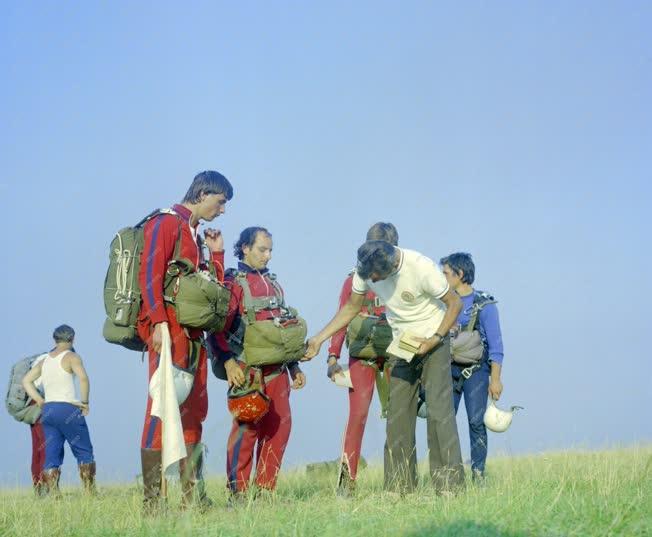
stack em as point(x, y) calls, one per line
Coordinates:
point(169, 236)
point(363, 372)
point(269, 436)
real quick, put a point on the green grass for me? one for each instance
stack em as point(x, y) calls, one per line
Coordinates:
point(571, 493)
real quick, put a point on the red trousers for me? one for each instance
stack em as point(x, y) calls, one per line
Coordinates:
point(38, 452)
point(269, 437)
point(363, 377)
point(195, 407)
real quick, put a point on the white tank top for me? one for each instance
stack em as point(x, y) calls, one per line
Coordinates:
point(57, 382)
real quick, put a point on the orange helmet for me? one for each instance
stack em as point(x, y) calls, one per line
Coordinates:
point(248, 404)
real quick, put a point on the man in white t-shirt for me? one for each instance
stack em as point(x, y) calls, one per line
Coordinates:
point(418, 300)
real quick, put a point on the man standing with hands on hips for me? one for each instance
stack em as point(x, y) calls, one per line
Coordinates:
point(420, 302)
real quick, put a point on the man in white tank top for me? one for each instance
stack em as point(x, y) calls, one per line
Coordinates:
point(62, 413)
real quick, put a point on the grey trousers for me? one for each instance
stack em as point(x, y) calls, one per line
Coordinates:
point(433, 372)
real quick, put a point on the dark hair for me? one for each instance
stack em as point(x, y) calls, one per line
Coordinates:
point(247, 238)
point(460, 261)
point(208, 182)
point(375, 257)
point(63, 334)
point(383, 231)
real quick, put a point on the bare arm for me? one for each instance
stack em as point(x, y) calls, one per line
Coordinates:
point(453, 308)
point(341, 319)
point(77, 367)
point(495, 384)
point(28, 384)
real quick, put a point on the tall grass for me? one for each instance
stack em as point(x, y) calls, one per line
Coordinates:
point(570, 493)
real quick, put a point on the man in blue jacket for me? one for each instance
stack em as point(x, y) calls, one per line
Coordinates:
point(475, 382)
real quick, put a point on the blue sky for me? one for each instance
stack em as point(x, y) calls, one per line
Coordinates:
point(518, 131)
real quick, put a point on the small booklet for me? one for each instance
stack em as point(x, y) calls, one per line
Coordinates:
point(343, 379)
point(404, 346)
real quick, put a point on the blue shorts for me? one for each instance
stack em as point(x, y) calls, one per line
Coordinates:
point(61, 422)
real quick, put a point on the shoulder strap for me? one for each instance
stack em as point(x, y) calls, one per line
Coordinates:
point(480, 300)
point(252, 305)
point(241, 278)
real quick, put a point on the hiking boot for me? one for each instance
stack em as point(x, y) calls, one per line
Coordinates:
point(193, 488)
point(478, 477)
point(151, 465)
point(40, 486)
point(51, 477)
point(87, 476)
point(345, 484)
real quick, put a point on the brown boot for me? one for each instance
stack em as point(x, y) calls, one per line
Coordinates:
point(87, 476)
point(40, 486)
point(151, 464)
point(51, 477)
point(192, 479)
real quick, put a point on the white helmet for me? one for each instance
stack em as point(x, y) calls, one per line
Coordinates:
point(498, 420)
point(182, 383)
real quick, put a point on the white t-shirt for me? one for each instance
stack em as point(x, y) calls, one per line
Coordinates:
point(411, 294)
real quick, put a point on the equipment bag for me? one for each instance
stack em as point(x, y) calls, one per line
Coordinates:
point(275, 341)
point(368, 336)
point(200, 300)
point(467, 347)
point(18, 403)
point(122, 298)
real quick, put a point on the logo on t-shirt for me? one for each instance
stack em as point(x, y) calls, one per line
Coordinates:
point(407, 296)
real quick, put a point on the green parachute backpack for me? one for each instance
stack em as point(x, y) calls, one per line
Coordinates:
point(122, 298)
point(199, 299)
point(368, 336)
point(274, 341)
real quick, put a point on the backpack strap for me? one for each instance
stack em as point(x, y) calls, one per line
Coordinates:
point(480, 300)
point(158, 212)
point(253, 305)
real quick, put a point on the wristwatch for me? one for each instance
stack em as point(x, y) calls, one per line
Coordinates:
point(441, 338)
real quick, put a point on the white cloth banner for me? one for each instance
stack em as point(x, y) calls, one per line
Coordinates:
point(166, 407)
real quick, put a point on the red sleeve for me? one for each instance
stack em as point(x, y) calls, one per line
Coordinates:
point(218, 263)
point(160, 236)
point(235, 308)
point(338, 337)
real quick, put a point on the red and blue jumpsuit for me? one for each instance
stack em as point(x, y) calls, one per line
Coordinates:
point(270, 435)
point(161, 234)
point(363, 378)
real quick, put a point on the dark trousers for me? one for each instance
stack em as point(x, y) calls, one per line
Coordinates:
point(475, 391)
point(433, 372)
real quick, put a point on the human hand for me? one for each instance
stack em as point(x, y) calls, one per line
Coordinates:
point(234, 374)
point(334, 369)
point(85, 409)
point(298, 380)
point(427, 344)
point(312, 349)
point(495, 388)
point(157, 337)
point(214, 239)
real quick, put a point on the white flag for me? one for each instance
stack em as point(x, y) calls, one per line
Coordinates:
point(166, 407)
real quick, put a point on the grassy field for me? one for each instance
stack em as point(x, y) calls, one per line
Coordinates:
point(572, 493)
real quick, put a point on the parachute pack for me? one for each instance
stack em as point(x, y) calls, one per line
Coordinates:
point(200, 300)
point(18, 403)
point(274, 341)
point(368, 336)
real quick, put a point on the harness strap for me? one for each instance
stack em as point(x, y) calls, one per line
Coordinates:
point(466, 375)
point(254, 305)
